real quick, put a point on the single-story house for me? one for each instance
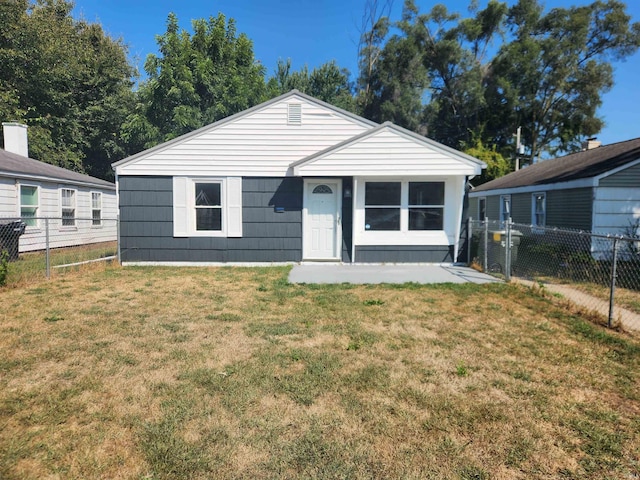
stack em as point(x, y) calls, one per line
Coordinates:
point(77, 208)
point(293, 179)
point(595, 190)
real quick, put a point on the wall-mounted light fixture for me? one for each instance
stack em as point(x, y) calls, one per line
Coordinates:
point(347, 193)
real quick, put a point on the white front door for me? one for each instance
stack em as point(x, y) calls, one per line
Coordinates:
point(322, 220)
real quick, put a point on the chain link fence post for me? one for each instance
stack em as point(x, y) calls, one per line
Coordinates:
point(485, 256)
point(507, 252)
point(613, 281)
point(47, 252)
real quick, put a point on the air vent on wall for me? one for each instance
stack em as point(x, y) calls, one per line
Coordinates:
point(294, 114)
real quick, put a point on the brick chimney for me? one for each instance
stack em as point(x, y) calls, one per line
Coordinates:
point(15, 138)
point(591, 143)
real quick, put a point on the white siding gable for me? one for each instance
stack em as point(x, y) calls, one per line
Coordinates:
point(385, 152)
point(260, 142)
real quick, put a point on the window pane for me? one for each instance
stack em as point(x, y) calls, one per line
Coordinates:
point(382, 219)
point(67, 198)
point(95, 200)
point(28, 215)
point(28, 196)
point(426, 218)
point(68, 215)
point(208, 194)
point(209, 219)
point(426, 193)
point(382, 193)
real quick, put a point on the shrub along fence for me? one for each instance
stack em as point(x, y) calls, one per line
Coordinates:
point(32, 247)
point(604, 267)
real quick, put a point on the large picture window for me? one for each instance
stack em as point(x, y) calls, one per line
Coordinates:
point(208, 204)
point(68, 204)
point(382, 205)
point(403, 206)
point(29, 204)
point(426, 205)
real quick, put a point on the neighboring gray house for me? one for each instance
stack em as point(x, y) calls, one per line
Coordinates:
point(596, 190)
point(78, 205)
point(289, 180)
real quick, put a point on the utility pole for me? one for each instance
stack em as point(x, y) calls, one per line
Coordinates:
point(519, 148)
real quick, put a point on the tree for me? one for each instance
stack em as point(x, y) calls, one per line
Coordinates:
point(198, 79)
point(463, 79)
point(67, 80)
point(550, 78)
point(497, 165)
point(328, 83)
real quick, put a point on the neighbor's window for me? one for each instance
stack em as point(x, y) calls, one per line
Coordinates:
point(96, 208)
point(208, 204)
point(426, 205)
point(539, 209)
point(29, 204)
point(482, 209)
point(505, 208)
point(382, 204)
point(68, 203)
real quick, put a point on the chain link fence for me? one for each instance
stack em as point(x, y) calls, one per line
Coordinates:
point(600, 272)
point(39, 247)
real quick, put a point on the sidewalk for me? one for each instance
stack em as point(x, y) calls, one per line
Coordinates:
point(628, 320)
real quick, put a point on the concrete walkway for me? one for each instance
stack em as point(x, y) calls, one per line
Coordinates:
point(629, 320)
point(365, 274)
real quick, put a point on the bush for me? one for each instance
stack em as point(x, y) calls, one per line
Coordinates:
point(4, 267)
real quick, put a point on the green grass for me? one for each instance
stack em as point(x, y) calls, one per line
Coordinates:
point(233, 373)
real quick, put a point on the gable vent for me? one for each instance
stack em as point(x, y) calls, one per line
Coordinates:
point(294, 116)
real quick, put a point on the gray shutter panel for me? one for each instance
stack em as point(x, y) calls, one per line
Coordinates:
point(234, 207)
point(180, 207)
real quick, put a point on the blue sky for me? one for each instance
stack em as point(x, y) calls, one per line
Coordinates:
point(313, 32)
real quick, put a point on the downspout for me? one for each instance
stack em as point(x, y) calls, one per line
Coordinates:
point(353, 219)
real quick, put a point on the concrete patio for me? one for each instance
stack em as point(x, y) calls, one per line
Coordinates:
point(386, 273)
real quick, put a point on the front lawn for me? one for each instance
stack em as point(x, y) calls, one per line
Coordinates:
point(233, 373)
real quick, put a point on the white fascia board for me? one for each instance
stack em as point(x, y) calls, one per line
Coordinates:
point(41, 178)
point(617, 170)
point(541, 187)
point(213, 126)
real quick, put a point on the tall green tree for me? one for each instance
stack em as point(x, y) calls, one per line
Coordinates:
point(551, 76)
point(478, 78)
point(328, 83)
point(197, 79)
point(67, 80)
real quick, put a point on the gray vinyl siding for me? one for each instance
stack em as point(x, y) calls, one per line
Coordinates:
point(146, 215)
point(521, 207)
point(473, 209)
point(629, 177)
point(404, 254)
point(570, 208)
point(493, 207)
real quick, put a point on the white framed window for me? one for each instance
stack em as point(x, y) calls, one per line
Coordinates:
point(207, 207)
point(68, 207)
point(539, 209)
point(29, 204)
point(403, 206)
point(482, 208)
point(96, 209)
point(505, 208)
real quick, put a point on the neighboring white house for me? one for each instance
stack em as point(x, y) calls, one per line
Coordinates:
point(78, 209)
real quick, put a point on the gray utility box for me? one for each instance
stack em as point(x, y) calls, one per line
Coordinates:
point(498, 245)
point(10, 237)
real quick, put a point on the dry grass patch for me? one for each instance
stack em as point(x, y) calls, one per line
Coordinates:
point(234, 373)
